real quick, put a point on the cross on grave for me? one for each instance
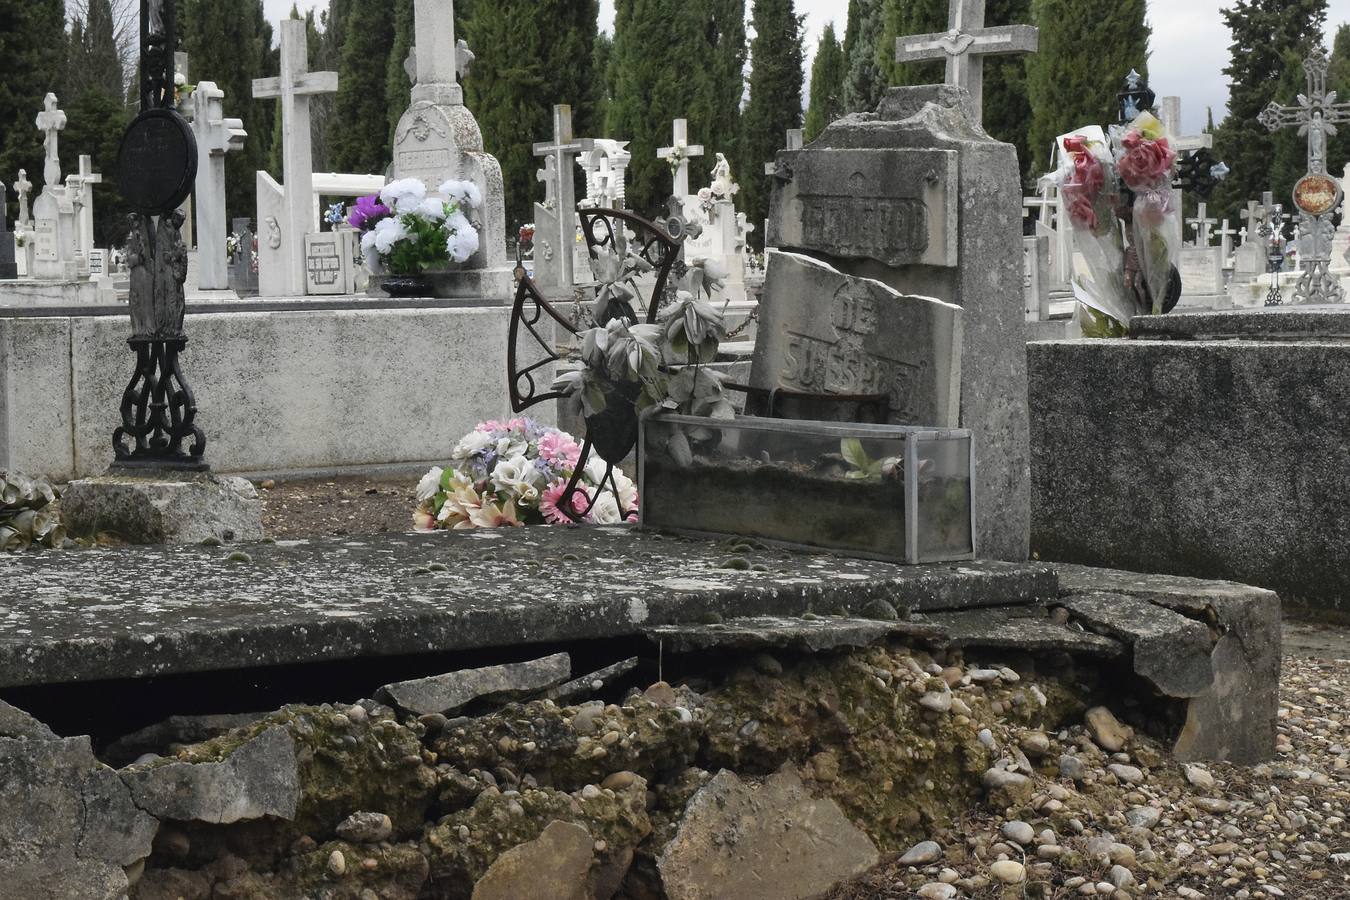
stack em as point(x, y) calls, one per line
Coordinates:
point(438, 59)
point(22, 188)
point(796, 138)
point(1046, 204)
point(1170, 116)
point(1316, 117)
point(294, 88)
point(681, 151)
point(1226, 235)
point(965, 45)
point(216, 136)
point(87, 179)
point(51, 121)
point(561, 150)
point(1201, 225)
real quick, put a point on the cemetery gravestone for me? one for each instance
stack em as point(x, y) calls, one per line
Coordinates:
point(54, 220)
point(1202, 281)
point(23, 226)
point(920, 199)
point(329, 269)
point(556, 224)
point(216, 135)
point(1035, 283)
point(9, 268)
point(678, 155)
point(606, 169)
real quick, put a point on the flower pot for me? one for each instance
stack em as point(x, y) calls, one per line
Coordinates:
point(407, 286)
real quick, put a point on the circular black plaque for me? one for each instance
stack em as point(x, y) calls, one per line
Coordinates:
point(157, 162)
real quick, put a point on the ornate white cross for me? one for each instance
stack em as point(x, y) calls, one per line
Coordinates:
point(23, 187)
point(1201, 225)
point(1047, 203)
point(294, 88)
point(216, 136)
point(561, 150)
point(679, 153)
point(51, 121)
point(965, 45)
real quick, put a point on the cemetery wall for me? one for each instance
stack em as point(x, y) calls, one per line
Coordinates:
point(1216, 459)
point(276, 391)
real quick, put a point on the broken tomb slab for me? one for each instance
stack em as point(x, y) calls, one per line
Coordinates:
point(812, 635)
point(451, 692)
point(1171, 651)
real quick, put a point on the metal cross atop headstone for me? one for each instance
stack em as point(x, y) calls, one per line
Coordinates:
point(1202, 225)
point(965, 45)
point(1316, 117)
point(294, 88)
point(680, 152)
point(560, 151)
point(51, 122)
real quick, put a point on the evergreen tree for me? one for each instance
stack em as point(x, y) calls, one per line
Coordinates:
point(231, 44)
point(1268, 38)
point(529, 56)
point(96, 121)
point(397, 83)
point(775, 104)
point(1087, 48)
point(96, 63)
point(902, 18)
point(1338, 80)
point(34, 64)
point(827, 84)
point(864, 81)
point(360, 140)
point(665, 54)
point(600, 92)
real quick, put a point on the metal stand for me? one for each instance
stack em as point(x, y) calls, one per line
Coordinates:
point(159, 412)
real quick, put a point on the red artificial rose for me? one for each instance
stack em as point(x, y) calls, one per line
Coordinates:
point(1145, 163)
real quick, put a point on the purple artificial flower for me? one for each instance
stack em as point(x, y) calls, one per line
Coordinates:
point(366, 212)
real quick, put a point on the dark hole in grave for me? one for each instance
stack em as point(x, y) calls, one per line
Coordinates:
point(108, 710)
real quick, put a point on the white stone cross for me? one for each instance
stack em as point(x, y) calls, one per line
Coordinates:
point(216, 136)
point(681, 151)
point(294, 88)
point(1201, 225)
point(1047, 203)
point(438, 57)
point(965, 45)
point(561, 150)
point(1170, 115)
point(796, 137)
point(23, 187)
point(51, 121)
point(1226, 235)
point(87, 179)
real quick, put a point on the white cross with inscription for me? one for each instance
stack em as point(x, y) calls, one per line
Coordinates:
point(681, 151)
point(51, 121)
point(216, 136)
point(1201, 225)
point(965, 45)
point(560, 151)
point(294, 88)
point(1226, 235)
point(23, 187)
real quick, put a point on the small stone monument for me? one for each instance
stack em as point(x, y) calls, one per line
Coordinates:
point(216, 135)
point(55, 224)
point(606, 168)
point(438, 139)
point(556, 218)
point(720, 236)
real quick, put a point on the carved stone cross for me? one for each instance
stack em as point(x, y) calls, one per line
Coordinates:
point(681, 151)
point(51, 121)
point(216, 136)
point(560, 152)
point(1201, 225)
point(965, 45)
point(23, 187)
point(1226, 235)
point(87, 179)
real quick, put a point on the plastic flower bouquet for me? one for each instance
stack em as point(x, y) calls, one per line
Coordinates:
point(406, 232)
point(1147, 165)
point(515, 473)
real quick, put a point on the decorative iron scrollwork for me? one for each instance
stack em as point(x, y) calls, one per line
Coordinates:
point(159, 412)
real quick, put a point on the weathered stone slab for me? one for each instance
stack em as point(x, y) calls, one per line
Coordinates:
point(1216, 459)
point(805, 635)
point(68, 825)
point(453, 691)
point(1017, 630)
point(555, 865)
point(897, 208)
point(155, 611)
point(17, 724)
point(160, 509)
point(1170, 650)
point(259, 778)
point(823, 331)
point(1285, 323)
point(586, 685)
point(770, 841)
point(1235, 719)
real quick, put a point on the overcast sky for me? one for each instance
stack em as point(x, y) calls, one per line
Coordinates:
point(1188, 51)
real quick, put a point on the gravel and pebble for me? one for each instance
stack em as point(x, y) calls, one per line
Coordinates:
point(1129, 822)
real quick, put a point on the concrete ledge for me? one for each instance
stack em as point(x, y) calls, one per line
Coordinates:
point(94, 615)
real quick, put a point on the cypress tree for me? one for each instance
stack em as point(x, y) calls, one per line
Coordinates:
point(864, 80)
point(600, 91)
point(827, 84)
point(529, 56)
point(1087, 48)
point(716, 105)
point(775, 104)
point(1338, 80)
point(34, 64)
point(231, 44)
point(902, 18)
point(360, 143)
point(397, 84)
point(1268, 37)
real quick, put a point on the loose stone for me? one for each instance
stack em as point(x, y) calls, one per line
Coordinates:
point(922, 854)
point(1008, 871)
point(1106, 730)
point(1018, 831)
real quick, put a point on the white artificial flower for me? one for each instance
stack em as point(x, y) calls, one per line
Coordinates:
point(463, 240)
point(430, 485)
point(389, 232)
point(519, 476)
point(432, 208)
point(511, 449)
point(605, 511)
point(595, 469)
point(465, 192)
point(373, 262)
point(404, 195)
point(628, 494)
point(474, 442)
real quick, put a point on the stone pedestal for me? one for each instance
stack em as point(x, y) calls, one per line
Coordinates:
point(917, 196)
point(163, 508)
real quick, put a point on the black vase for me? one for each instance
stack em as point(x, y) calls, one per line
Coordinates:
point(407, 286)
point(614, 430)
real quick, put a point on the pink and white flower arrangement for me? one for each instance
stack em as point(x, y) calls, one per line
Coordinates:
point(506, 474)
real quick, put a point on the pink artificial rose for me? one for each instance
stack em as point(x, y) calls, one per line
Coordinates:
point(1145, 163)
point(1151, 208)
point(1085, 185)
point(1081, 209)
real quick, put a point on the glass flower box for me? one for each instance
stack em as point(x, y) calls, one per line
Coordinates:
point(889, 492)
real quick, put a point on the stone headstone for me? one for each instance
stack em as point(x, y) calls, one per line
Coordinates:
point(216, 135)
point(920, 198)
point(678, 155)
point(822, 331)
point(273, 278)
point(556, 223)
point(330, 262)
point(1035, 277)
point(8, 266)
point(1202, 281)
